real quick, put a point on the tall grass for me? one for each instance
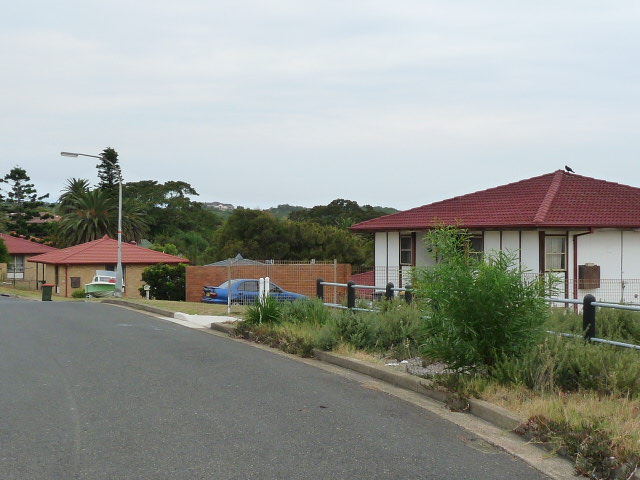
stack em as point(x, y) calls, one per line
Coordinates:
point(612, 324)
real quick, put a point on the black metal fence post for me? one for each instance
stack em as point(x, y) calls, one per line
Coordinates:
point(320, 289)
point(351, 295)
point(589, 317)
point(408, 296)
point(388, 294)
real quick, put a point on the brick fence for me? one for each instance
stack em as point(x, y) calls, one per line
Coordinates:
point(294, 277)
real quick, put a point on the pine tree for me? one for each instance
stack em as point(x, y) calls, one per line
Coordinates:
point(21, 201)
point(108, 170)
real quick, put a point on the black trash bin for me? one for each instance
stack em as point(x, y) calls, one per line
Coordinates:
point(47, 290)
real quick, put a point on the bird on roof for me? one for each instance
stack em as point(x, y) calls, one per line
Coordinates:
point(568, 169)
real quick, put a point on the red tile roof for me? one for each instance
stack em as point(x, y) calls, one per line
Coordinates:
point(105, 251)
point(557, 199)
point(20, 246)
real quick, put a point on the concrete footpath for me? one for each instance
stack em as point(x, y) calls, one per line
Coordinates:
point(501, 421)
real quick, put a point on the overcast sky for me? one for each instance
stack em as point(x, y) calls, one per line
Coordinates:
point(256, 103)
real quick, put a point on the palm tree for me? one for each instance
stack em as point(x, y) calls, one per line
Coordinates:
point(74, 188)
point(90, 214)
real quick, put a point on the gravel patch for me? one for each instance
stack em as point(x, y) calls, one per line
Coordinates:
point(417, 366)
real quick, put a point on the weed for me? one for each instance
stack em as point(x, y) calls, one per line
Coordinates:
point(267, 311)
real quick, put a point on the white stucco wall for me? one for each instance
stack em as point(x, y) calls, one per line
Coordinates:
point(387, 258)
point(602, 248)
point(631, 255)
point(511, 243)
point(529, 251)
point(423, 257)
point(491, 241)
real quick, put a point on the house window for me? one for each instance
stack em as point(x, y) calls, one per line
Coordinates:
point(406, 250)
point(75, 282)
point(476, 245)
point(16, 267)
point(555, 254)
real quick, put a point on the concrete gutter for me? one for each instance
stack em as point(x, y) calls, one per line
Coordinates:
point(207, 321)
point(493, 414)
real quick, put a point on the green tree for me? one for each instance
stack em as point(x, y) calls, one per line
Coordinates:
point(4, 221)
point(477, 310)
point(75, 188)
point(21, 202)
point(4, 252)
point(256, 234)
point(169, 210)
point(339, 213)
point(252, 233)
point(168, 248)
point(167, 282)
point(91, 214)
point(109, 171)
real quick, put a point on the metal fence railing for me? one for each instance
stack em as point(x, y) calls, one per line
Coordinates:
point(589, 305)
point(354, 294)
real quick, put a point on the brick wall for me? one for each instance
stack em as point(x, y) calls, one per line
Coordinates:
point(299, 278)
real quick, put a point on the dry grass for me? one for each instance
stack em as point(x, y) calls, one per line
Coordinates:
point(619, 416)
point(350, 351)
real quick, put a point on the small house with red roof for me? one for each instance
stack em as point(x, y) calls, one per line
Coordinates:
point(585, 230)
point(18, 271)
point(71, 268)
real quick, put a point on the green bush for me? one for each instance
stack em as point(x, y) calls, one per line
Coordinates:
point(476, 310)
point(310, 311)
point(79, 294)
point(267, 311)
point(612, 324)
point(570, 365)
point(357, 329)
point(167, 282)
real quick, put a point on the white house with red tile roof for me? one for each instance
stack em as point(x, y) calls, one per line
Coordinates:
point(584, 229)
point(18, 270)
point(75, 266)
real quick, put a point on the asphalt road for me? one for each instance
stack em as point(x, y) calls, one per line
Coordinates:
point(94, 391)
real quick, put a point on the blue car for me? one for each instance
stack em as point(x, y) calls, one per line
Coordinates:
point(245, 291)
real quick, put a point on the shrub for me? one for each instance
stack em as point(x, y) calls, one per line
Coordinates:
point(357, 329)
point(400, 330)
point(167, 282)
point(572, 365)
point(310, 311)
point(79, 294)
point(267, 311)
point(476, 310)
point(619, 325)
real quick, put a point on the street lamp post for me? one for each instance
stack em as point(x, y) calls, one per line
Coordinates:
point(119, 280)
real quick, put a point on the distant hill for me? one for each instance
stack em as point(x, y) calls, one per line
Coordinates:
point(283, 211)
point(339, 212)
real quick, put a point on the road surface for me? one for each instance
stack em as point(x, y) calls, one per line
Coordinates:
point(95, 391)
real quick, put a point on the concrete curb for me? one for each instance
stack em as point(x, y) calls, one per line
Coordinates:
point(493, 414)
point(137, 306)
point(223, 327)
